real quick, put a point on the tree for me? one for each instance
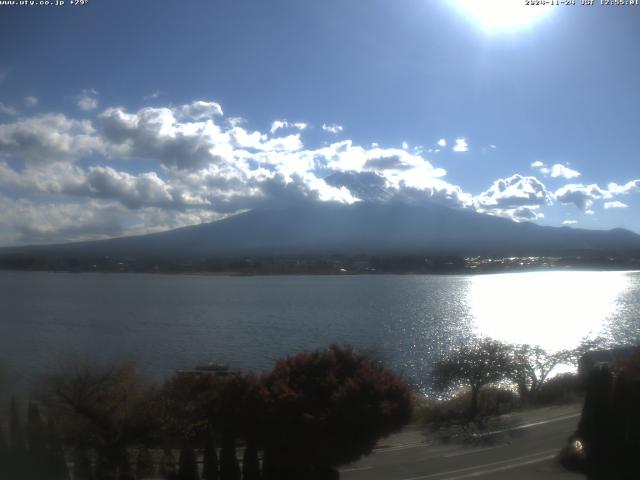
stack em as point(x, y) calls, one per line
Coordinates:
point(17, 443)
point(4, 456)
point(57, 462)
point(532, 366)
point(82, 469)
point(250, 463)
point(194, 406)
point(210, 460)
point(329, 407)
point(482, 363)
point(100, 407)
point(37, 441)
point(144, 464)
point(188, 464)
point(183, 407)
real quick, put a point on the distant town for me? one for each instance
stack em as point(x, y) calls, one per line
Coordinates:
point(338, 264)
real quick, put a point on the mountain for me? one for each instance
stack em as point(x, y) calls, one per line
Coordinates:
point(370, 228)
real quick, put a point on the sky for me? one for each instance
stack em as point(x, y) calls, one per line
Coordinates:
point(121, 117)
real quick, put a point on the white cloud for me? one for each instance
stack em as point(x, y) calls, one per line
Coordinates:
point(582, 196)
point(199, 110)
point(556, 171)
point(87, 99)
point(569, 222)
point(559, 170)
point(615, 204)
point(48, 138)
point(632, 186)
point(517, 197)
point(7, 110)
point(26, 221)
point(281, 124)
point(152, 96)
point(205, 167)
point(31, 101)
point(332, 128)
point(514, 192)
point(461, 145)
point(442, 143)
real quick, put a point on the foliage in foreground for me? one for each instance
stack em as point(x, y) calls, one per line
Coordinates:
point(328, 408)
point(488, 362)
point(609, 428)
point(313, 412)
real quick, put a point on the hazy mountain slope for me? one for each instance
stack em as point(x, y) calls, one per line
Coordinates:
point(363, 227)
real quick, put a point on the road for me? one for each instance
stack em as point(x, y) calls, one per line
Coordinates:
point(521, 446)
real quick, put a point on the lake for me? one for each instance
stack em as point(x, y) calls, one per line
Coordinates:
point(167, 322)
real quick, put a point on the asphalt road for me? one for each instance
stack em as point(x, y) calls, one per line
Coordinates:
point(522, 446)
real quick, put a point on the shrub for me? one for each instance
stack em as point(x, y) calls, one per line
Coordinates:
point(563, 388)
point(474, 366)
point(326, 408)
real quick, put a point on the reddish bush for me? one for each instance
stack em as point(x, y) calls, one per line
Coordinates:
point(327, 408)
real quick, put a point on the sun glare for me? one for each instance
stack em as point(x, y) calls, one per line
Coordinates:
point(552, 309)
point(494, 16)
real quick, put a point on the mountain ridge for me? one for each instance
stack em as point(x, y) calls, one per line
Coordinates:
point(365, 227)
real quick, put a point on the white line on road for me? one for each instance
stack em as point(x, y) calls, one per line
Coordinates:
point(355, 469)
point(546, 456)
point(501, 469)
point(406, 446)
point(532, 424)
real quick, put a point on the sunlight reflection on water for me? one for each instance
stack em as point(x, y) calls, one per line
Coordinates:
point(552, 309)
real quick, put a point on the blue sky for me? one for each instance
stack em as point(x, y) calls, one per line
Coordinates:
point(130, 117)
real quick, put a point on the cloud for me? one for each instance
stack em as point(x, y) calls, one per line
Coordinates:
point(137, 191)
point(632, 186)
point(199, 110)
point(26, 221)
point(540, 166)
point(615, 204)
point(559, 170)
point(7, 110)
point(569, 222)
point(163, 167)
point(556, 171)
point(48, 138)
point(442, 143)
point(513, 192)
point(460, 145)
point(332, 128)
point(152, 96)
point(517, 197)
point(582, 196)
point(31, 101)
point(281, 124)
point(87, 100)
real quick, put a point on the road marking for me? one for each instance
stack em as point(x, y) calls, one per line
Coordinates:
point(529, 425)
point(402, 447)
point(406, 446)
point(546, 454)
point(501, 469)
point(355, 469)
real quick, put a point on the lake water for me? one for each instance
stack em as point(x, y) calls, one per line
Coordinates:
point(166, 322)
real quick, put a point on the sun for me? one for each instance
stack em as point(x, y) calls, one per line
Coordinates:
point(498, 16)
